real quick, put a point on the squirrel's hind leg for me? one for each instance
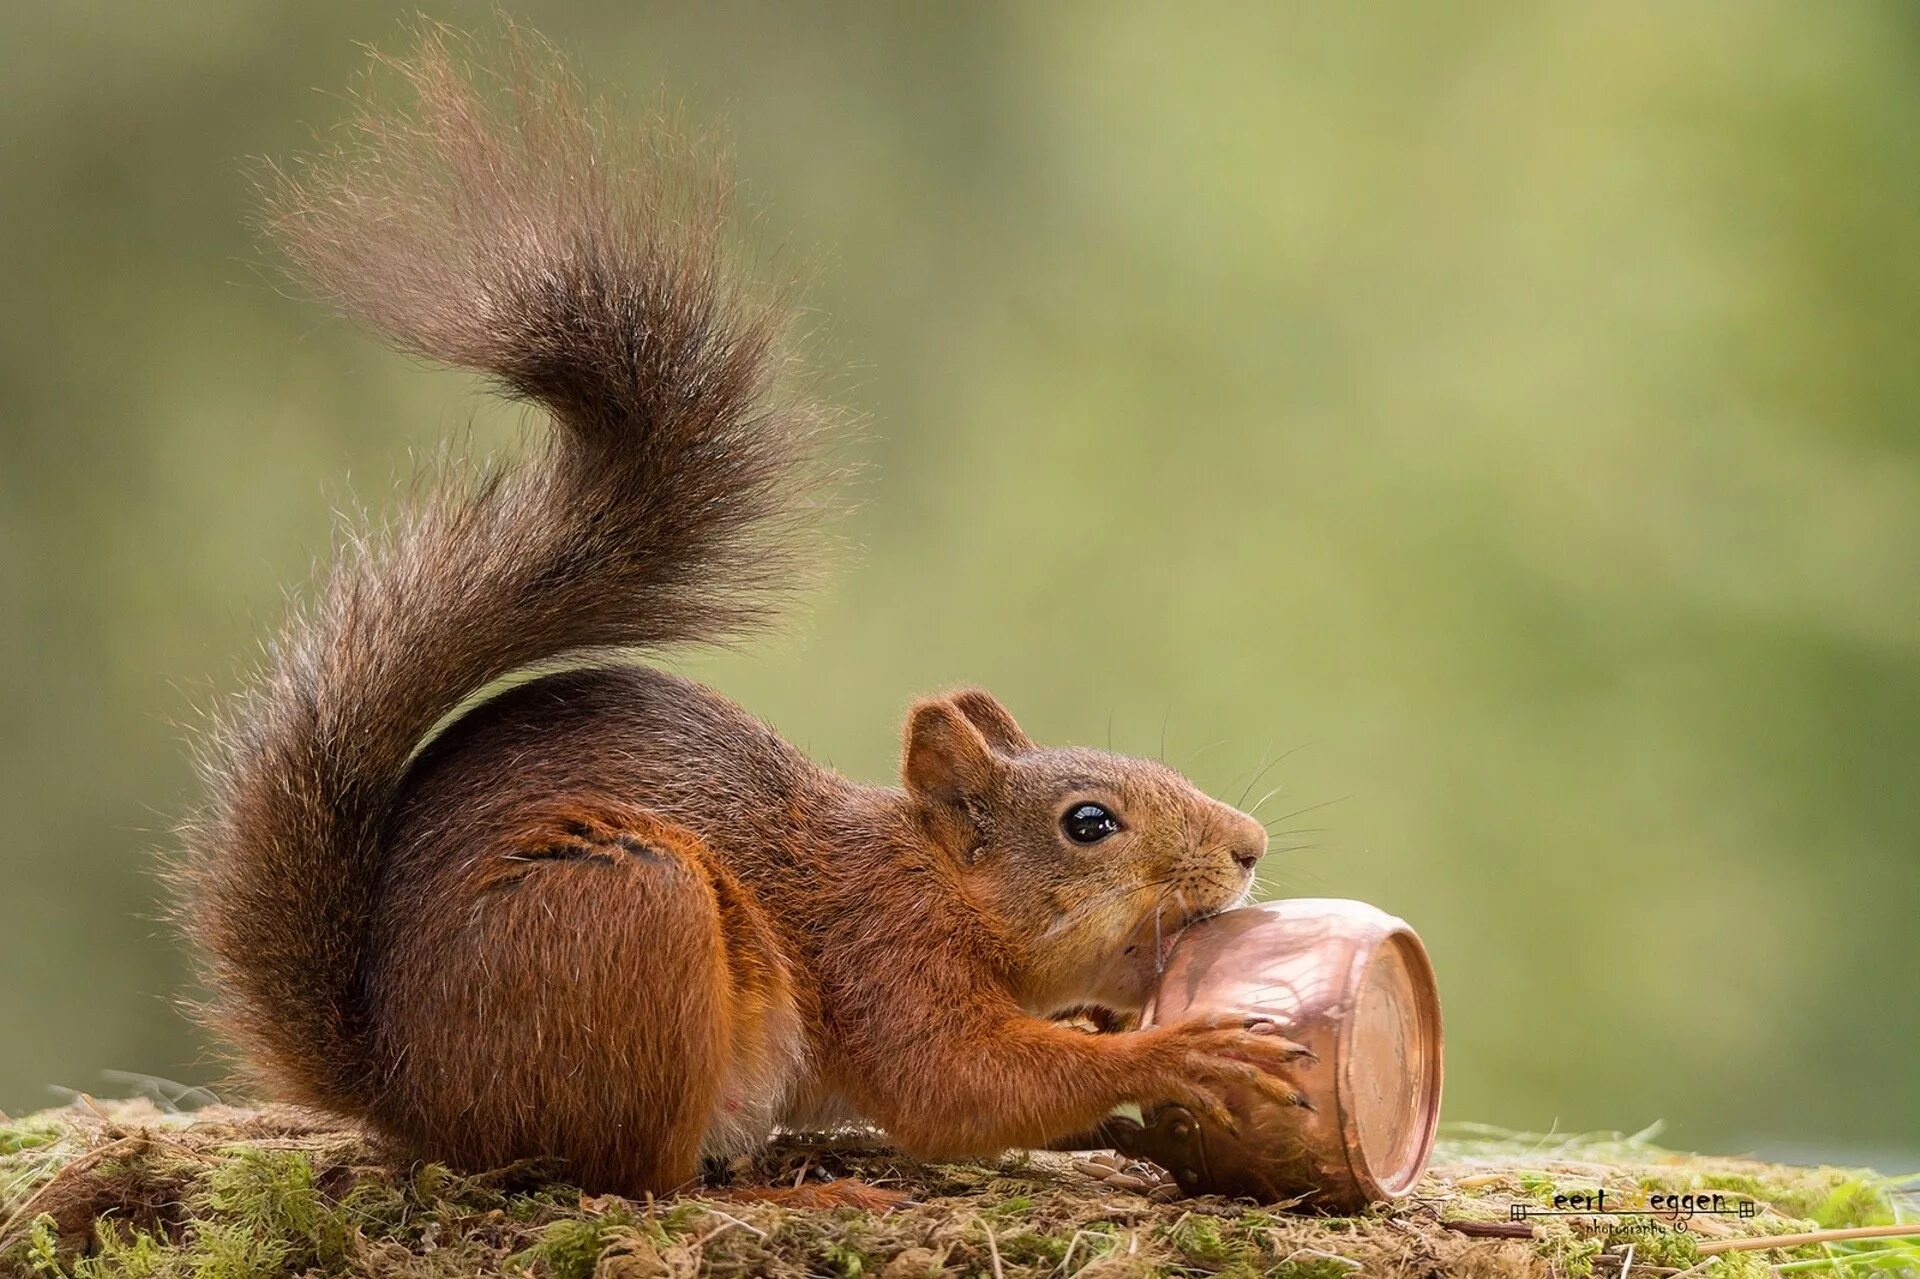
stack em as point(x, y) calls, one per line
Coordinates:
point(593, 986)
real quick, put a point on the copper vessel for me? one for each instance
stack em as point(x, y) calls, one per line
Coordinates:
point(1354, 985)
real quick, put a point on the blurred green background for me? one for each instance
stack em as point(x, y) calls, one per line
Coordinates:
point(1508, 409)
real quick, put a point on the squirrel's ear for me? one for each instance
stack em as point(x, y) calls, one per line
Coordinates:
point(995, 722)
point(950, 769)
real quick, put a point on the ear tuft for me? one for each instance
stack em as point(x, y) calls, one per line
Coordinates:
point(995, 722)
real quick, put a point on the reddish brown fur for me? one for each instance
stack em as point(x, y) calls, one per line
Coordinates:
point(607, 915)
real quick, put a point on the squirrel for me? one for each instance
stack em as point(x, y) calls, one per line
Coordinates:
point(606, 916)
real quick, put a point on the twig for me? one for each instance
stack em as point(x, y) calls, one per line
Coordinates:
point(1811, 1236)
point(993, 1249)
point(1072, 1243)
point(1837, 1260)
point(1315, 1252)
point(747, 1226)
point(715, 1233)
point(98, 1112)
point(1068, 1258)
point(1492, 1229)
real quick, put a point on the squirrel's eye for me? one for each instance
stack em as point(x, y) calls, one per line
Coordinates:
point(1088, 823)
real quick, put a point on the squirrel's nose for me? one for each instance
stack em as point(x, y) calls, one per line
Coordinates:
point(1249, 842)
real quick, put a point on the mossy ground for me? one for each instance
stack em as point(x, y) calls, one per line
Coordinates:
point(123, 1190)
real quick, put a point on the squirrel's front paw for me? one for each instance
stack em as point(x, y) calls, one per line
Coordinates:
point(1210, 1058)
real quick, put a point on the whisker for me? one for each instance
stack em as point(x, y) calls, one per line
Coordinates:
point(1215, 744)
point(1295, 875)
point(1160, 951)
point(1258, 803)
point(1277, 759)
point(1277, 878)
point(1312, 807)
point(1255, 779)
point(1091, 904)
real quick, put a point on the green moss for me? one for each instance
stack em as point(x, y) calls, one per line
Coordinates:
point(229, 1250)
point(1741, 1265)
point(42, 1248)
point(267, 1192)
point(672, 1220)
point(1854, 1200)
point(272, 1196)
point(1033, 1248)
point(1221, 1245)
point(846, 1259)
point(1310, 1268)
point(1571, 1254)
point(1541, 1187)
point(30, 1150)
point(567, 1249)
point(29, 1134)
point(430, 1181)
point(127, 1254)
point(1676, 1248)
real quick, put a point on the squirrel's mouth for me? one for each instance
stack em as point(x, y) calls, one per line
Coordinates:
point(1125, 981)
point(1153, 936)
point(1162, 929)
point(1181, 923)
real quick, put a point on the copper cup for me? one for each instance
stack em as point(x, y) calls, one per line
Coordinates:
point(1351, 983)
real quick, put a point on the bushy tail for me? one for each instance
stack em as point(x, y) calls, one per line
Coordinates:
point(495, 222)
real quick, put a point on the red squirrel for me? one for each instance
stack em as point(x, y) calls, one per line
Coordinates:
point(607, 916)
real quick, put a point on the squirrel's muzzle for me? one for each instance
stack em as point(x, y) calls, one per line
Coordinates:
point(1246, 840)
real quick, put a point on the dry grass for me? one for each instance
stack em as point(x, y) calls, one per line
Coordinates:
point(123, 1190)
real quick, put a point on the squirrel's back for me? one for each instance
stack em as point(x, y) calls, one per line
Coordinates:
point(511, 230)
